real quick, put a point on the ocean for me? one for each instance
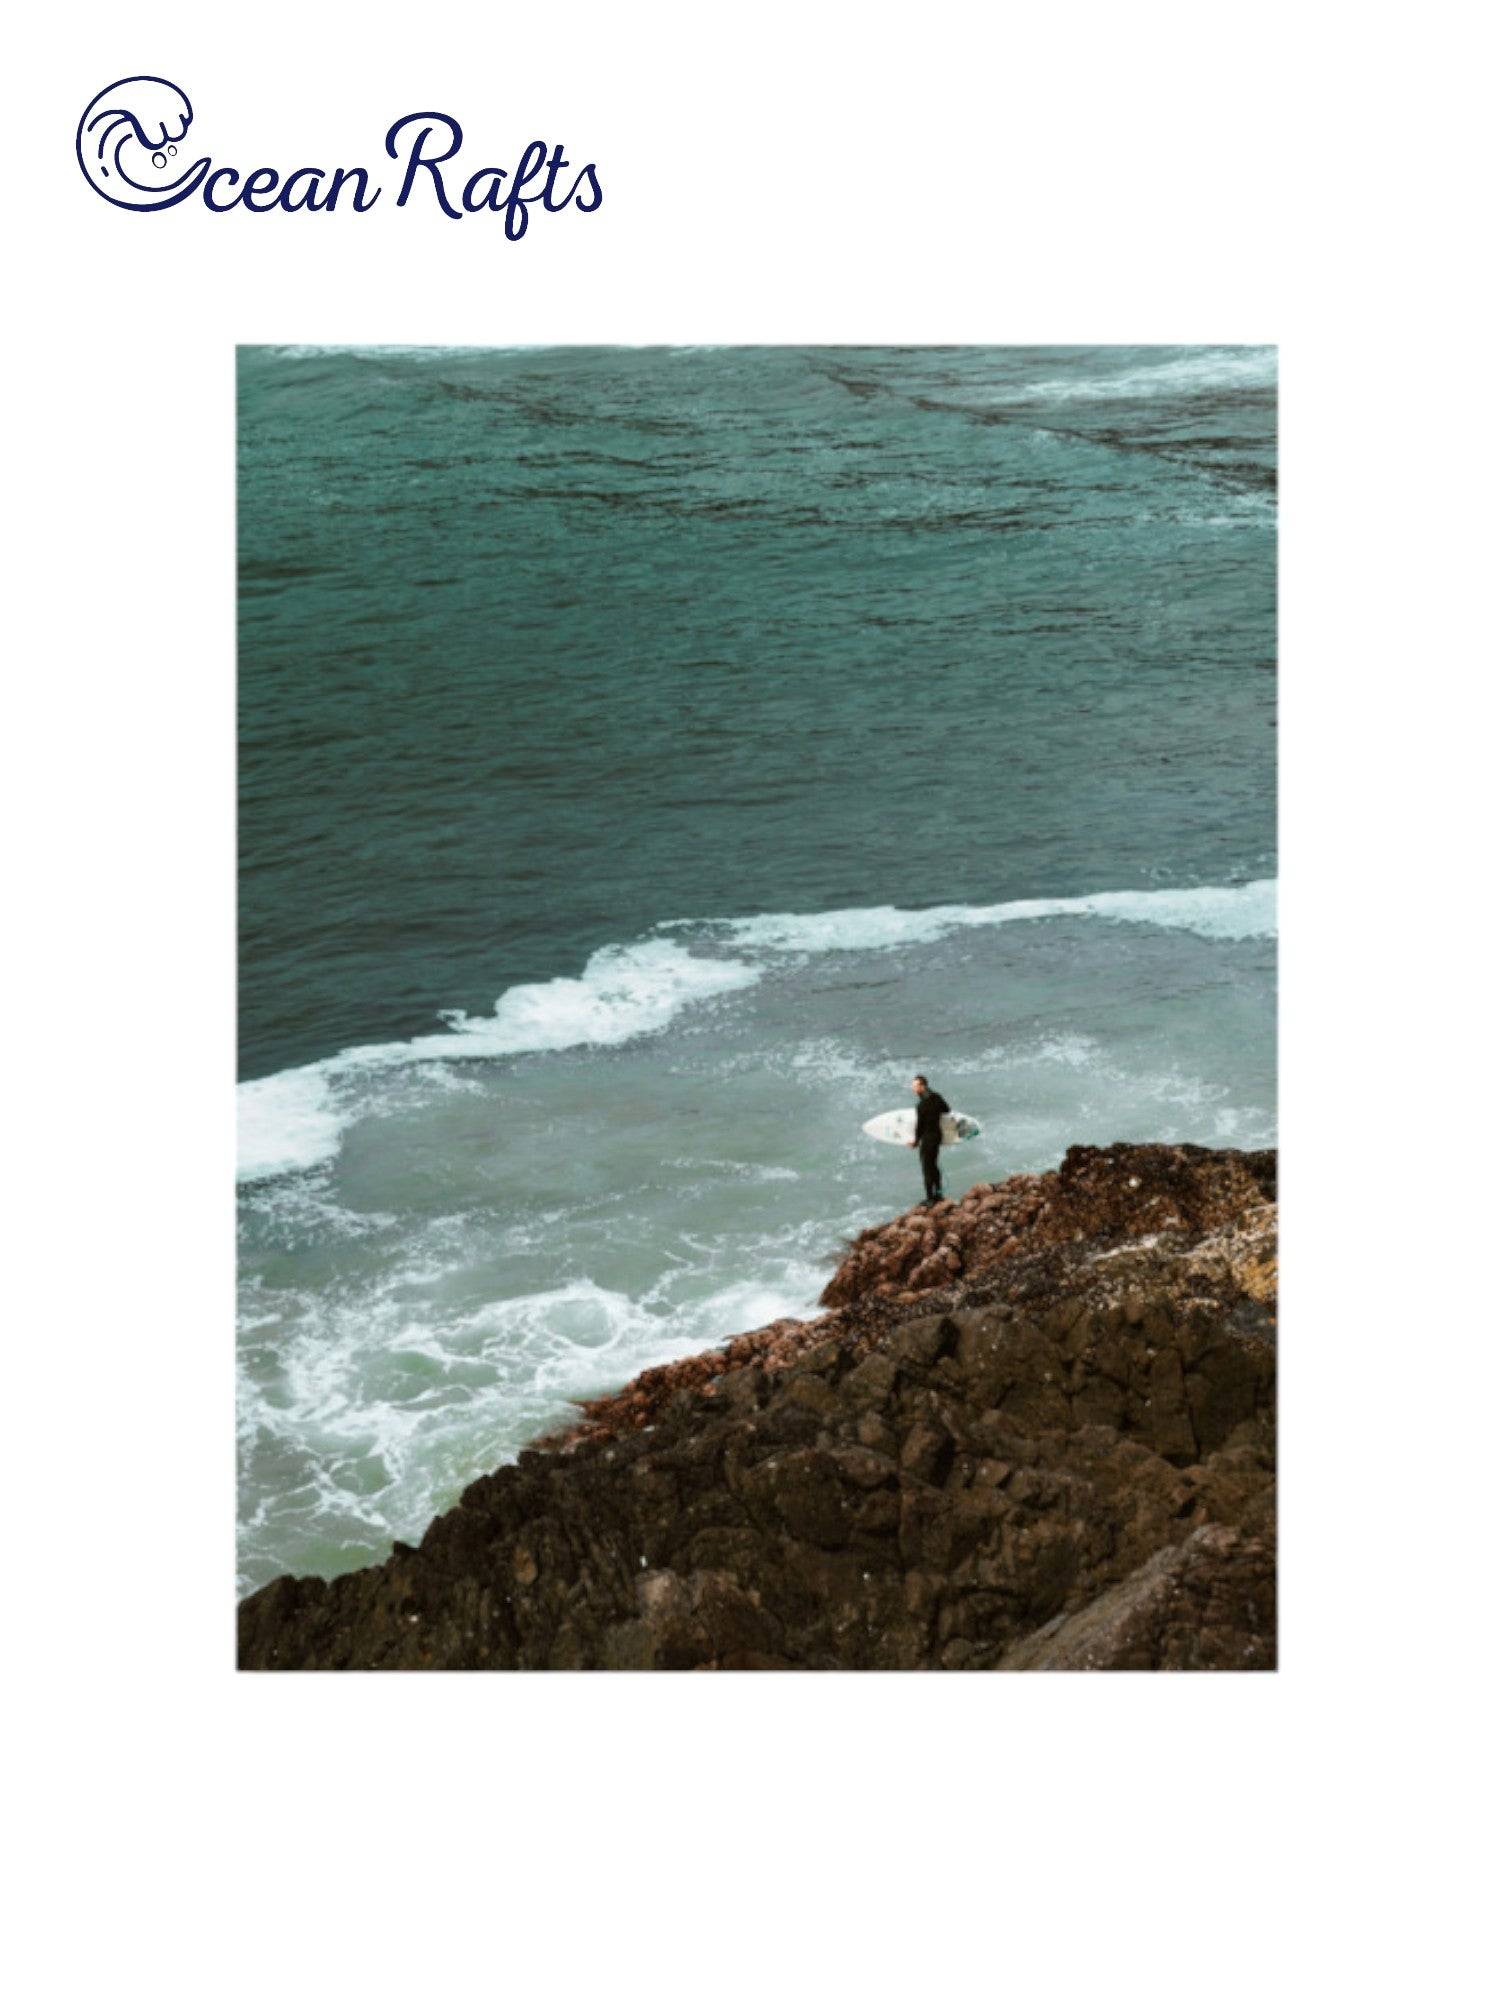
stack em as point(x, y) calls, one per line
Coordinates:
point(648, 759)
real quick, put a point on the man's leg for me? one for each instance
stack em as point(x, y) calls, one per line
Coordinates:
point(930, 1156)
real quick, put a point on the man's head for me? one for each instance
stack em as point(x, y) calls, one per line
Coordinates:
point(920, 1084)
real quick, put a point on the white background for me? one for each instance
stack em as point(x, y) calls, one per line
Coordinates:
point(1315, 176)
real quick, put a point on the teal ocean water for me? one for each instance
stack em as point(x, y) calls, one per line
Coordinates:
point(650, 758)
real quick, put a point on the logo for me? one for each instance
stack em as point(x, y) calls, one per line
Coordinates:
point(128, 144)
point(132, 146)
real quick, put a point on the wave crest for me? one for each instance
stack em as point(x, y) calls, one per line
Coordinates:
point(295, 1119)
point(1245, 911)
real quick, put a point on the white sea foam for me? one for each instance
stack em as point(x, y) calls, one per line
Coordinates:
point(625, 991)
point(716, 1165)
point(823, 1059)
point(295, 1119)
point(380, 1411)
point(286, 1122)
point(296, 352)
point(1247, 911)
point(1075, 1050)
point(1196, 371)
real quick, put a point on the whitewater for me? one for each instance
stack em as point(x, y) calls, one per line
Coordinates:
point(295, 1119)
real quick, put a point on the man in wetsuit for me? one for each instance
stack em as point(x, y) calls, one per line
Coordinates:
point(930, 1112)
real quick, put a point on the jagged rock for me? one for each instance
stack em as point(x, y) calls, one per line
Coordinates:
point(1210, 1602)
point(1063, 1457)
point(1103, 1194)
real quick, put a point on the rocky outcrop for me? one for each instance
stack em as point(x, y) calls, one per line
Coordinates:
point(1097, 1196)
point(1033, 1430)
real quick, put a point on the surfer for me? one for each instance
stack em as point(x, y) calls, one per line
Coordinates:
point(930, 1111)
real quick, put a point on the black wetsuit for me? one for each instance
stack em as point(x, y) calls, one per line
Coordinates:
point(931, 1111)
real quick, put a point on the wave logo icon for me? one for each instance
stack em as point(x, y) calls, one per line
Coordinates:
point(129, 142)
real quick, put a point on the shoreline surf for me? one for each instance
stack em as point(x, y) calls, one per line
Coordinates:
point(288, 1122)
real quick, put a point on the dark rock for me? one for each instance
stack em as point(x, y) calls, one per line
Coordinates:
point(1210, 1602)
point(1056, 1451)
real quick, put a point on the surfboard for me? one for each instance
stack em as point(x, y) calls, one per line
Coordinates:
point(898, 1127)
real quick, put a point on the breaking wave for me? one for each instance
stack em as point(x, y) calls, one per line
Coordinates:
point(1248, 911)
point(295, 1120)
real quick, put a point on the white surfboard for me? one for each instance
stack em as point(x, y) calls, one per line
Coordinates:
point(898, 1127)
